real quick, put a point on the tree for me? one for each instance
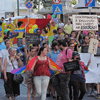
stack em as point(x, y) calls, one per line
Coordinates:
point(98, 0)
point(74, 2)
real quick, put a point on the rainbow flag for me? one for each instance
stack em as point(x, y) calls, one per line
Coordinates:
point(19, 70)
point(30, 64)
point(17, 30)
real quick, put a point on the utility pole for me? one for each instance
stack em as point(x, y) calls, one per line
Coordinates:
point(68, 9)
point(17, 7)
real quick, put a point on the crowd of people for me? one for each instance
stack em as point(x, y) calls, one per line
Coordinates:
point(65, 47)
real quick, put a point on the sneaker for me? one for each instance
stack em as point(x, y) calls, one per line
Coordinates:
point(88, 94)
point(97, 96)
point(59, 98)
point(92, 94)
point(48, 95)
point(54, 98)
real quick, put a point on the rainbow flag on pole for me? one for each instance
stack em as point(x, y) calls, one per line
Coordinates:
point(19, 70)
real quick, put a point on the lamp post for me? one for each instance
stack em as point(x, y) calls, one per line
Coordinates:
point(17, 7)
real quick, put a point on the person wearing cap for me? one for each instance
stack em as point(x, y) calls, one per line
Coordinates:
point(78, 77)
point(68, 28)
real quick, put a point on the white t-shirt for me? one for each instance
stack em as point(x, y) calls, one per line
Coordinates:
point(61, 25)
point(3, 54)
point(10, 66)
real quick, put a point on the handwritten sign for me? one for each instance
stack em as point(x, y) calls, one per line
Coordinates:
point(93, 46)
point(85, 22)
point(33, 39)
point(84, 49)
point(71, 66)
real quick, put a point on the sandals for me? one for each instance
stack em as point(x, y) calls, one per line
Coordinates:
point(48, 95)
point(59, 98)
point(54, 98)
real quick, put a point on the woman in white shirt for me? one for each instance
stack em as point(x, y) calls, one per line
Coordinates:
point(10, 63)
point(61, 24)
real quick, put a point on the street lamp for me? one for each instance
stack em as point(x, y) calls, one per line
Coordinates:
point(17, 7)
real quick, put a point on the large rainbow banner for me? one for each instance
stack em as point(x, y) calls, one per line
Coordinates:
point(30, 64)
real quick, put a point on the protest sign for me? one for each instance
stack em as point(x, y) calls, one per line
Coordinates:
point(84, 49)
point(71, 66)
point(85, 22)
point(93, 46)
point(33, 39)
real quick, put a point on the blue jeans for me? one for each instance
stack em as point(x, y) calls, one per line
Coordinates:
point(60, 83)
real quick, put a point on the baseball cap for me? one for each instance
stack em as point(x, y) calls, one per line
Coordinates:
point(75, 53)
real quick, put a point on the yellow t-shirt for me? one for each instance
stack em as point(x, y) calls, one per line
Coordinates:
point(1, 39)
point(62, 34)
point(11, 42)
point(51, 31)
point(20, 35)
point(68, 28)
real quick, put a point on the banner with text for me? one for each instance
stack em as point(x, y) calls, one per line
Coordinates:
point(93, 75)
point(85, 22)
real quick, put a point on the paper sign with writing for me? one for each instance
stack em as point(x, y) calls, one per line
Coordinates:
point(85, 22)
point(33, 39)
point(93, 46)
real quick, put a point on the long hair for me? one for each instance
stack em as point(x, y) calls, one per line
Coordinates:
point(41, 49)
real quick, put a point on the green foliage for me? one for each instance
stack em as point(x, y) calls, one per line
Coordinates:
point(97, 0)
point(74, 2)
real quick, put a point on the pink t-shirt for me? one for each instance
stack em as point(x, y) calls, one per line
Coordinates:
point(62, 58)
point(86, 32)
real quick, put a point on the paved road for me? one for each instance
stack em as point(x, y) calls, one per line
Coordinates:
point(23, 93)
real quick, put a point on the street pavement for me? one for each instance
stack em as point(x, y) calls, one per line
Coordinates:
point(23, 93)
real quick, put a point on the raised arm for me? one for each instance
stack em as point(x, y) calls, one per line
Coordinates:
point(19, 61)
point(88, 63)
point(14, 27)
point(77, 38)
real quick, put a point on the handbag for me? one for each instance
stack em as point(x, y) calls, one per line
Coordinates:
point(71, 66)
point(18, 78)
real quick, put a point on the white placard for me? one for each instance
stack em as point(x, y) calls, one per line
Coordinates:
point(93, 75)
point(85, 22)
point(93, 46)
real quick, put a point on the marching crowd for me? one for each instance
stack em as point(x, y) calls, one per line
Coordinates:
point(65, 47)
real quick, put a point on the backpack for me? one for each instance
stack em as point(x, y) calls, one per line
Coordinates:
point(67, 50)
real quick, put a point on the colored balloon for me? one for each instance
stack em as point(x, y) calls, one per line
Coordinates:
point(53, 16)
point(30, 25)
point(49, 16)
point(55, 19)
point(34, 27)
point(31, 31)
point(0, 28)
